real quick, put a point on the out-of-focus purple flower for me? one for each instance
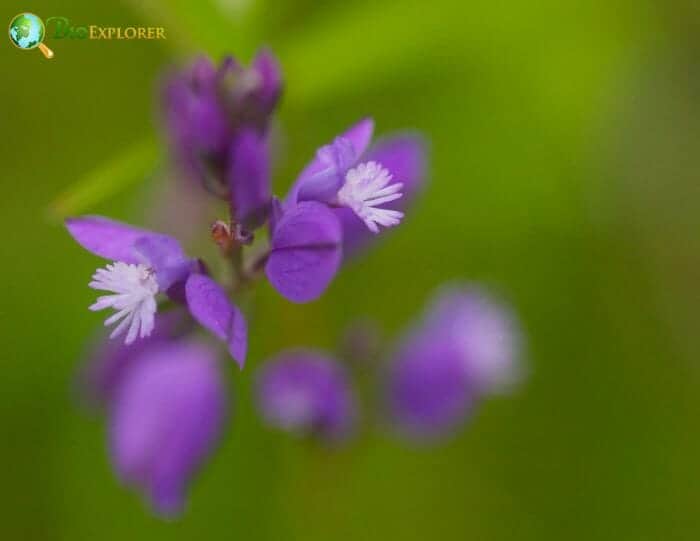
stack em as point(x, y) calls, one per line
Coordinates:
point(166, 417)
point(428, 391)
point(217, 121)
point(485, 332)
point(146, 263)
point(197, 124)
point(305, 251)
point(362, 184)
point(466, 347)
point(306, 392)
point(251, 94)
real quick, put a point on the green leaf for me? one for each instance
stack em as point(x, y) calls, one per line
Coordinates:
point(107, 180)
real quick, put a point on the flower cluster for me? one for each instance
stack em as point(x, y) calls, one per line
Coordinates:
point(218, 123)
point(158, 380)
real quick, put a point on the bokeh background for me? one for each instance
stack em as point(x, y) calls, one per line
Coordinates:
point(564, 174)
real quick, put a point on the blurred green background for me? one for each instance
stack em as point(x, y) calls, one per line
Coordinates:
point(564, 173)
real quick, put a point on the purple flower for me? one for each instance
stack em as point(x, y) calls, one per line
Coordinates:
point(466, 347)
point(196, 121)
point(148, 263)
point(145, 263)
point(217, 120)
point(306, 392)
point(335, 203)
point(428, 391)
point(485, 332)
point(166, 416)
point(161, 390)
point(363, 185)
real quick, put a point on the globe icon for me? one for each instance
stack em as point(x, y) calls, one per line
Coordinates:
point(27, 32)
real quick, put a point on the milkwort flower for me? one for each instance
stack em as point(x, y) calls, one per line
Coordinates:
point(146, 264)
point(165, 403)
point(340, 198)
point(218, 124)
point(466, 347)
point(165, 418)
point(217, 119)
point(307, 393)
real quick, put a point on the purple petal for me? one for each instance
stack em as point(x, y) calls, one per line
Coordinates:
point(107, 238)
point(249, 179)
point(360, 135)
point(267, 66)
point(166, 418)
point(485, 332)
point(165, 255)
point(428, 391)
point(323, 176)
point(196, 122)
point(251, 94)
point(210, 306)
point(305, 252)
point(307, 392)
point(118, 241)
point(405, 157)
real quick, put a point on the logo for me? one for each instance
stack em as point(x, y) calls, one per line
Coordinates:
point(27, 31)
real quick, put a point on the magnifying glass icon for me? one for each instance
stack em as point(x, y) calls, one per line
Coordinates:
point(27, 32)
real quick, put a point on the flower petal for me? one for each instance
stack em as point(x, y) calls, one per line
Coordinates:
point(166, 418)
point(250, 94)
point(486, 333)
point(249, 179)
point(107, 238)
point(165, 255)
point(305, 252)
point(428, 392)
point(267, 67)
point(405, 156)
point(307, 392)
point(323, 176)
point(360, 135)
point(195, 120)
point(210, 306)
